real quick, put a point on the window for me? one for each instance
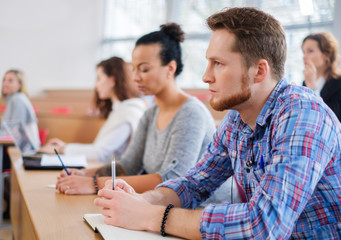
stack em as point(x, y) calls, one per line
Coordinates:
point(127, 20)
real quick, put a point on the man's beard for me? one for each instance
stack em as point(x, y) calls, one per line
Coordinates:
point(238, 98)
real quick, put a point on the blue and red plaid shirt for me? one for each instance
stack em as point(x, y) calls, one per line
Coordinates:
point(293, 192)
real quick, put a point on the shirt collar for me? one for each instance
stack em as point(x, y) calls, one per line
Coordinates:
point(10, 96)
point(115, 105)
point(269, 105)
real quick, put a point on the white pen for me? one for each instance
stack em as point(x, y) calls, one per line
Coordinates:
point(113, 172)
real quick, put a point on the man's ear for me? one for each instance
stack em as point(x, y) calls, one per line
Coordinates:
point(262, 70)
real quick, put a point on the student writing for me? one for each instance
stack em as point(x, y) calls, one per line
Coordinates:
point(171, 136)
point(295, 194)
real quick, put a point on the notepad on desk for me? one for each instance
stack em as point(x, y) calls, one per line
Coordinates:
point(108, 232)
point(51, 162)
point(68, 160)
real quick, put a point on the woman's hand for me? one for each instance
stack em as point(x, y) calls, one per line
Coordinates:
point(75, 184)
point(310, 75)
point(56, 142)
point(72, 171)
point(52, 144)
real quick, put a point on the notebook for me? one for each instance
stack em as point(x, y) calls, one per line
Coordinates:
point(108, 232)
point(31, 158)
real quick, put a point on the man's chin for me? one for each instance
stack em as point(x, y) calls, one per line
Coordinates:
point(217, 106)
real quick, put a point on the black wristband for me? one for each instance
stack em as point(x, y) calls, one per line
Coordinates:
point(164, 219)
point(95, 183)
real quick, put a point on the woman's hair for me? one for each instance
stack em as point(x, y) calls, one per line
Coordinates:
point(113, 67)
point(329, 46)
point(169, 37)
point(257, 36)
point(21, 78)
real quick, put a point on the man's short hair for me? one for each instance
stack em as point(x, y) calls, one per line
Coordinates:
point(258, 36)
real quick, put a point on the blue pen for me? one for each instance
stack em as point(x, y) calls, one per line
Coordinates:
point(261, 162)
point(61, 162)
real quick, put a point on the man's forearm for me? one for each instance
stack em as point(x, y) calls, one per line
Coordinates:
point(162, 196)
point(180, 222)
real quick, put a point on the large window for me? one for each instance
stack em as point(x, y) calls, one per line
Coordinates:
point(127, 20)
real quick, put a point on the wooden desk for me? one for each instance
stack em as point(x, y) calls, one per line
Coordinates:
point(39, 212)
point(4, 141)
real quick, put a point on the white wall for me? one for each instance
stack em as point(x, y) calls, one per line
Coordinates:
point(337, 21)
point(55, 42)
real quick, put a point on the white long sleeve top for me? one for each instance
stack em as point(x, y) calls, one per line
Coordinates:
point(115, 134)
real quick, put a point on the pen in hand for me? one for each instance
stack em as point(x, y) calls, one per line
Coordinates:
point(113, 172)
point(67, 172)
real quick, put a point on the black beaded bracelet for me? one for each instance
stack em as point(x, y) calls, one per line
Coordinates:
point(95, 183)
point(164, 219)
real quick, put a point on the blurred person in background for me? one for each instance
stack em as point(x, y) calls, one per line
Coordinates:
point(321, 71)
point(117, 99)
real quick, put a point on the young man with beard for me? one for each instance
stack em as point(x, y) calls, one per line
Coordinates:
point(280, 141)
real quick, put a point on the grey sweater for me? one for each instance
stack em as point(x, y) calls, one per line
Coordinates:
point(175, 149)
point(19, 108)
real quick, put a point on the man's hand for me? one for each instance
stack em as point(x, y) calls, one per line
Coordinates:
point(121, 184)
point(128, 210)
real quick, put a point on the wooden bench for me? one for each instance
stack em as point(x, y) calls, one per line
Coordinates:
point(65, 113)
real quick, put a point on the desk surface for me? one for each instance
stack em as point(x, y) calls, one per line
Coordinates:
point(6, 140)
point(42, 212)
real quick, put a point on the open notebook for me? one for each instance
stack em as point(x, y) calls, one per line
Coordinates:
point(96, 222)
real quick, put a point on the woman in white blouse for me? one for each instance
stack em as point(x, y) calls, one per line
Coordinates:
point(118, 101)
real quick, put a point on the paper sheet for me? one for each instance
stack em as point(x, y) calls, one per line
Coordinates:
point(68, 160)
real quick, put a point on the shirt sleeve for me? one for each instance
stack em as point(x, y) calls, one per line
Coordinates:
point(187, 142)
point(102, 149)
point(132, 158)
point(210, 172)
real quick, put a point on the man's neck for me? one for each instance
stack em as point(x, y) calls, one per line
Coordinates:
point(250, 110)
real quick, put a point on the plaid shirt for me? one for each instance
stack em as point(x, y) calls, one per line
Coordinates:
point(293, 192)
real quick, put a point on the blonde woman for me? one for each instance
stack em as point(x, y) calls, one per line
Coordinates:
point(19, 107)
